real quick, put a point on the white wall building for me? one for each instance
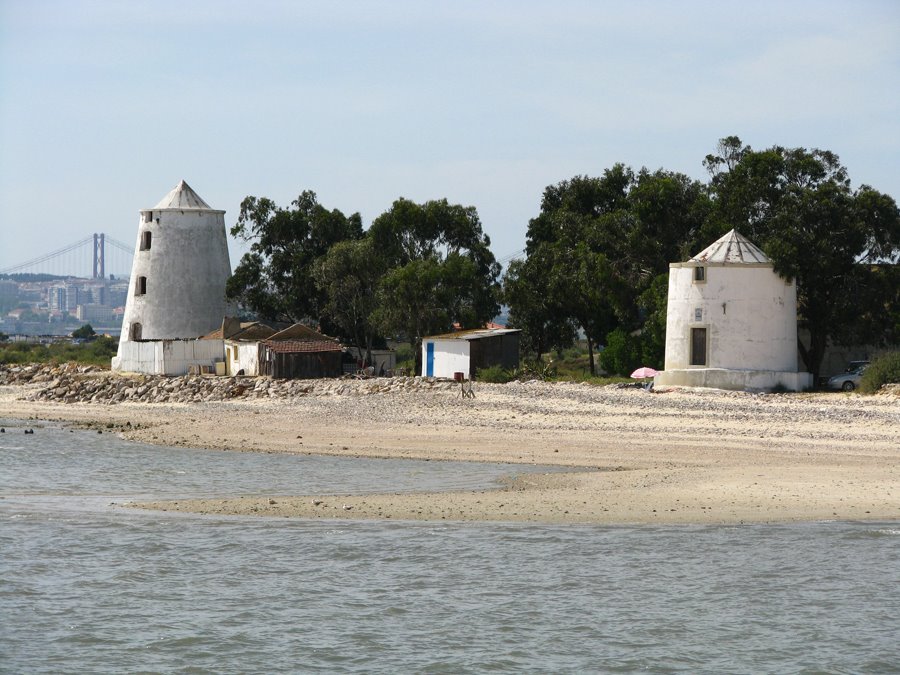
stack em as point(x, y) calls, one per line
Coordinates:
point(731, 321)
point(177, 288)
point(466, 351)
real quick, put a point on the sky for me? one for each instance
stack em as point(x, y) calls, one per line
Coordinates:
point(105, 106)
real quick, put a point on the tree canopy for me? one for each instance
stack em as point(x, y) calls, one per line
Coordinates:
point(597, 258)
point(595, 247)
point(799, 207)
point(419, 269)
point(275, 279)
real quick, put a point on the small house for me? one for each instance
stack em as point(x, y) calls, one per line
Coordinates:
point(299, 352)
point(242, 343)
point(467, 351)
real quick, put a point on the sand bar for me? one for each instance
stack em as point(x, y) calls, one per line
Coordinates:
point(682, 456)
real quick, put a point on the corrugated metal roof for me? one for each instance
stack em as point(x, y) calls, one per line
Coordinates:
point(291, 346)
point(182, 197)
point(473, 334)
point(733, 248)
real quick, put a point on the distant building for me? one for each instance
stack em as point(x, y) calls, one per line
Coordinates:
point(177, 287)
point(466, 351)
point(731, 321)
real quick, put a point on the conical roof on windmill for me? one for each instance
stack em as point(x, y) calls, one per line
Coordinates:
point(732, 248)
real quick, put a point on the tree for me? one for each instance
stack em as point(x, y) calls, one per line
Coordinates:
point(544, 322)
point(600, 242)
point(275, 279)
point(86, 332)
point(798, 206)
point(440, 269)
point(349, 275)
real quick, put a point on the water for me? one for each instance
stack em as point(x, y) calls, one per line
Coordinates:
point(85, 587)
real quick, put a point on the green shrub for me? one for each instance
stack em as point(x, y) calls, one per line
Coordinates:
point(883, 370)
point(622, 353)
point(496, 374)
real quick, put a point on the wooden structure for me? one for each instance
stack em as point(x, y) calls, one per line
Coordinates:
point(299, 352)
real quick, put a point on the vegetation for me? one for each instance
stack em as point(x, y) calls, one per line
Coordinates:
point(598, 251)
point(419, 269)
point(97, 352)
point(86, 332)
point(883, 370)
point(798, 206)
point(496, 374)
point(597, 246)
point(597, 259)
point(275, 279)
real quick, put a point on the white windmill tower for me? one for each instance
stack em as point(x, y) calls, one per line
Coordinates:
point(181, 264)
point(731, 321)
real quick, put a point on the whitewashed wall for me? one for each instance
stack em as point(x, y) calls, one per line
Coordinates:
point(450, 356)
point(167, 357)
point(186, 268)
point(247, 357)
point(749, 311)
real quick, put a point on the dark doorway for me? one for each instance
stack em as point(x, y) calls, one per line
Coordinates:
point(698, 346)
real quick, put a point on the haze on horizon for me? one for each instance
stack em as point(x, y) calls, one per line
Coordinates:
point(105, 106)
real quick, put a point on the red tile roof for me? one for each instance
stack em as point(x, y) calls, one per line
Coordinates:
point(291, 346)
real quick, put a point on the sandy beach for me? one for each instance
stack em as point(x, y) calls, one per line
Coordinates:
point(680, 456)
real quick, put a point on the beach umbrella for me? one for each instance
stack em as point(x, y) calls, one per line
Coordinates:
point(643, 372)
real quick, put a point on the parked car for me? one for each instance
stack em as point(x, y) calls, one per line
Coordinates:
point(848, 380)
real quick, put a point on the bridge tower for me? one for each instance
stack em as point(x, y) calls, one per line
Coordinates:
point(99, 257)
point(178, 277)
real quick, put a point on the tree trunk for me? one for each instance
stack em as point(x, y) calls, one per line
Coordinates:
point(417, 348)
point(812, 356)
point(591, 355)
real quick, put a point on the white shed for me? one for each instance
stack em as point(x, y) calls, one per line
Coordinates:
point(466, 351)
point(731, 321)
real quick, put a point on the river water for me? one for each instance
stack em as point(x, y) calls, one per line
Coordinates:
point(89, 587)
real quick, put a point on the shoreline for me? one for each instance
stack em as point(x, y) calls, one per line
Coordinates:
point(680, 457)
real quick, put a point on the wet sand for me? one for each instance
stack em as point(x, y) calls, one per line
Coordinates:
point(683, 456)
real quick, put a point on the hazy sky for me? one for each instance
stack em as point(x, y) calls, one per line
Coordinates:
point(105, 106)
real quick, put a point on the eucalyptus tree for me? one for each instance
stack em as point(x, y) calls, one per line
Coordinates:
point(439, 269)
point(840, 244)
point(275, 278)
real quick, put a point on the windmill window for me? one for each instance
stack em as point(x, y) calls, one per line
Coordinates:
point(135, 332)
point(148, 216)
point(699, 275)
point(145, 240)
point(141, 288)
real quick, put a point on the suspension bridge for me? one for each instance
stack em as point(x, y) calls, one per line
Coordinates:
point(94, 257)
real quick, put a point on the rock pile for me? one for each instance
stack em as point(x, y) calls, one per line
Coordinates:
point(76, 384)
point(40, 372)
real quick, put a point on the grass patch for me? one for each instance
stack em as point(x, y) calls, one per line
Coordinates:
point(97, 352)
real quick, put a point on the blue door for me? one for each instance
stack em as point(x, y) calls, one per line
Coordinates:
point(429, 359)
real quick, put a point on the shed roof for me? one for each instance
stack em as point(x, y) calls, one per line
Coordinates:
point(300, 338)
point(232, 329)
point(474, 334)
point(182, 197)
point(298, 331)
point(732, 248)
point(293, 346)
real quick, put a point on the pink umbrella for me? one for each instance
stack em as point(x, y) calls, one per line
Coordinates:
point(643, 372)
